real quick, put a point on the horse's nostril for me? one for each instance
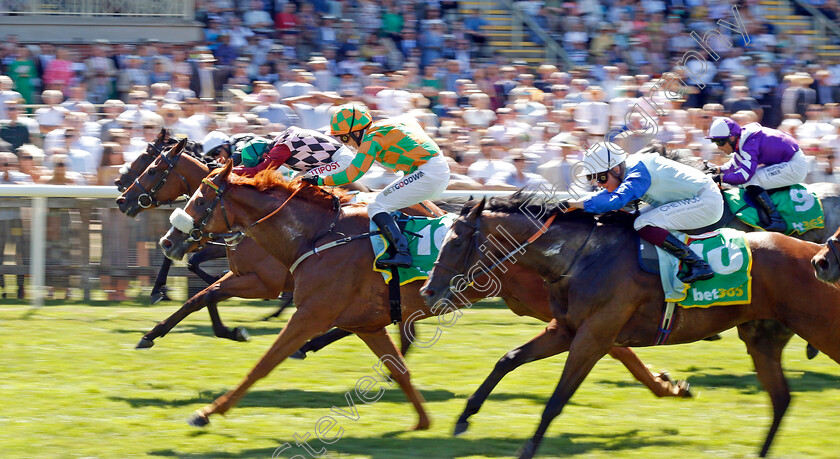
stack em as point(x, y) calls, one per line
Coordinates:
point(120, 201)
point(822, 264)
point(427, 292)
point(166, 243)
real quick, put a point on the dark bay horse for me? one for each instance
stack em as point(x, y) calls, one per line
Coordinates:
point(288, 219)
point(600, 298)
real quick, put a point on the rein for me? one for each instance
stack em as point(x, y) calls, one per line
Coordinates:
point(477, 235)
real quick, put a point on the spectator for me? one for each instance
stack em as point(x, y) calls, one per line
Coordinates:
point(491, 162)
point(23, 73)
point(27, 164)
point(51, 116)
point(815, 127)
point(207, 80)
point(11, 130)
point(7, 94)
point(519, 177)
point(741, 100)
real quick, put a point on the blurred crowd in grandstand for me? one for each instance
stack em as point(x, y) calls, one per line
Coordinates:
point(71, 114)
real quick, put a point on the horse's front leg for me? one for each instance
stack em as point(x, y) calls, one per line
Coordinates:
point(551, 341)
point(211, 252)
point(162, 328)
point(586, 349)
point(765, 342)
point(381, 344)
point(301, 326)
point(159, 289)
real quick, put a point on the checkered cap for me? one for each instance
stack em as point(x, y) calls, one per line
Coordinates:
point(310, 149)
point(349, 118)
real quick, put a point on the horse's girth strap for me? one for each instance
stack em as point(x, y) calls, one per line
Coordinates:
point(666, 324)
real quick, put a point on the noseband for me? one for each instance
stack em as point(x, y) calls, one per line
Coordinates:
point(232, 238)
point(147, 198)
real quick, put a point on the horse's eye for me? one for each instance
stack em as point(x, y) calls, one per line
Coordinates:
point(200, 201)
point(153, 172)
point(457, 242)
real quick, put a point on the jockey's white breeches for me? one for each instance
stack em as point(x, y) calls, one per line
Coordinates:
point(702, 210)
point(427, 182)
point(782, 174)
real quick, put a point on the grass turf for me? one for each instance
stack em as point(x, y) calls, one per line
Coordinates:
point(75, 387)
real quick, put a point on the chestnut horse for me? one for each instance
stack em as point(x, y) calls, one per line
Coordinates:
point(289, 218)
point(600, 298)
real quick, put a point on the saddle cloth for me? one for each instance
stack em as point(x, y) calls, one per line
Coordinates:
point(800, 208)
point(425, 237)
point(726, 250)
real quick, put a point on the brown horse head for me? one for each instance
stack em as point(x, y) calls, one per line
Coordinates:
point(164, 180)
point(194, 226)
point(459, 251)
point(133, 170)
point(826, 262)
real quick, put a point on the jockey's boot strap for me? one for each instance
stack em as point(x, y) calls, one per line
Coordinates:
point(698, 269)
point(762, 198)
point(397, 240)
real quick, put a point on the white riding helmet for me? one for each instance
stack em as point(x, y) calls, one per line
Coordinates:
point(212, 140)
point(601, 157)
point(722, 128)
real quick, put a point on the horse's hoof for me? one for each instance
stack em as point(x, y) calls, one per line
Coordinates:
point(685, 389)
point(158, 295)
point(198, 420)
point(298, 355)
point(460, 428)
point(145, 343)
point(811, 352)
point(240, 334)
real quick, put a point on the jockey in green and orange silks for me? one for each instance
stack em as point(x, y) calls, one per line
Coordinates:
point(400, 145)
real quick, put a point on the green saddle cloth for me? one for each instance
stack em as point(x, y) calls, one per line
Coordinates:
point(800, 208)
point(425, 237)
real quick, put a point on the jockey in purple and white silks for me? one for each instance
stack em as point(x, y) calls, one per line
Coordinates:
point(680, 197)
point(764, 158)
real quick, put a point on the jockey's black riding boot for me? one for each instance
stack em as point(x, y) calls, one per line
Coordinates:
point(762, 198)
point(698, 269)
point(389, 228)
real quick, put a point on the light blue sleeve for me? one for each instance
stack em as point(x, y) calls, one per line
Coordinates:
point(635, 185)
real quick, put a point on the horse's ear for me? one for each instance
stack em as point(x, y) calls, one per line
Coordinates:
point(223, 175)
point(161, 136)
point(178, 148)
point(478, 209)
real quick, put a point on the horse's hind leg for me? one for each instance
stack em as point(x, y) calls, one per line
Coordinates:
point(301, 326)
point(586, 349)
point(248, 285)
point(382, 345)
point(551, 341)
point(408, 333)
point(659, 385)
point(765, 340)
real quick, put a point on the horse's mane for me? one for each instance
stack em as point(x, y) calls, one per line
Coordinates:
point(680, 155)
point(269, 180)
point(532, 204)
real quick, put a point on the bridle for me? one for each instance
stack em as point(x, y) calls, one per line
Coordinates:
point(231, 238)
point(831, 243)
point(147, 198)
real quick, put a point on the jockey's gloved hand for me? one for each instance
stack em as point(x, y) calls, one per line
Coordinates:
point(312, 180)
point(718, 179)
point(710, 168)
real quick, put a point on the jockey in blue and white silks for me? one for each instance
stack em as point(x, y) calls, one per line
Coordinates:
point(680, 197)
point(764, 158)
